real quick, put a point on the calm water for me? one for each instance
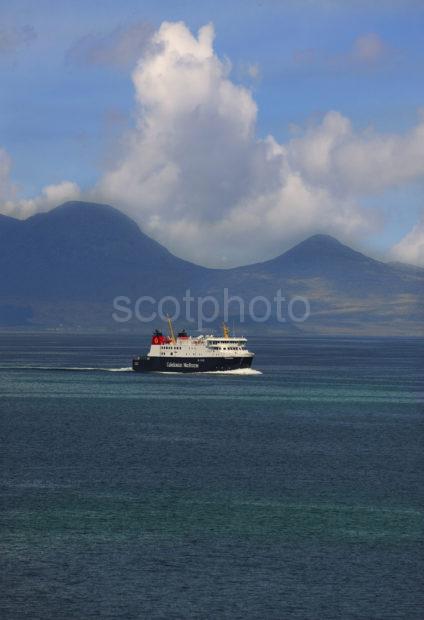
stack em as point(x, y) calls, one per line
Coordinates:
point(295, 493)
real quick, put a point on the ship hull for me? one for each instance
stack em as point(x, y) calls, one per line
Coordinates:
point(190, 364)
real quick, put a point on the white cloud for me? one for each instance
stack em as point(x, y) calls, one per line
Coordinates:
point(334, 155)
point(198, 179)
point(50, 196)
point(411, 248)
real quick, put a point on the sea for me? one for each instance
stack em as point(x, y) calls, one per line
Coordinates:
point(294, 491)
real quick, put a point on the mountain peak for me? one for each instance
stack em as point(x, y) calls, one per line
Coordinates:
point(318, 255)
point(81, 205)
point(321, 242)
point(80, 212)
point(90, 223)
point(319, 249)
point(322, 238)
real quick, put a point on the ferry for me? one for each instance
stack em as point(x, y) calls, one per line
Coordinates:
point(184, 353)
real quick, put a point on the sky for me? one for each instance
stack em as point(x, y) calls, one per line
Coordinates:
point(228, 130)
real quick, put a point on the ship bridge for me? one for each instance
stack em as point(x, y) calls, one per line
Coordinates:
point(225, 343)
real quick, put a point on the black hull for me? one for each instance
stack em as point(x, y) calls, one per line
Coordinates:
point(187, 364)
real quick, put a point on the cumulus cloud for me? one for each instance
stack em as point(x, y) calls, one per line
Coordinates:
point(195, 175)
point(411, 248)
point(197, 178)
point(120, 48)
point(333, 154)
point(51, 196)
point(12, 204)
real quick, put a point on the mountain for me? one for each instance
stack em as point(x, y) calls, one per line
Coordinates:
point(348, 292)
point(85, 252)
point(64, 268)
point(322, 259)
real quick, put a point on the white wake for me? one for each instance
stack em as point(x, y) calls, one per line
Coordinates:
point(237, 371)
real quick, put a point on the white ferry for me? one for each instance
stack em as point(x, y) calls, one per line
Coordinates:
point(184, 353)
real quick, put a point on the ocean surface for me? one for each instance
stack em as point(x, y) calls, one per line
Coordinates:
point(293, 493)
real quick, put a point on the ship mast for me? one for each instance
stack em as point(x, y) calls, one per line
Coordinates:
point(171, 330)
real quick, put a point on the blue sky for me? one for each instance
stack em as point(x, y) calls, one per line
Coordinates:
point(62, 115)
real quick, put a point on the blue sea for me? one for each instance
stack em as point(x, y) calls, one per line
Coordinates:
point(295, 492)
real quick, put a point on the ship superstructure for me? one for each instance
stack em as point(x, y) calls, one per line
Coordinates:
point(184, 353)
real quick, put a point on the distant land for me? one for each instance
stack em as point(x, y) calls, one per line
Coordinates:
point(62, 269)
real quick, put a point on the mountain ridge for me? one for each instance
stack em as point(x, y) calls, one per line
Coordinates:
point(66, 266)
point(77, 206)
